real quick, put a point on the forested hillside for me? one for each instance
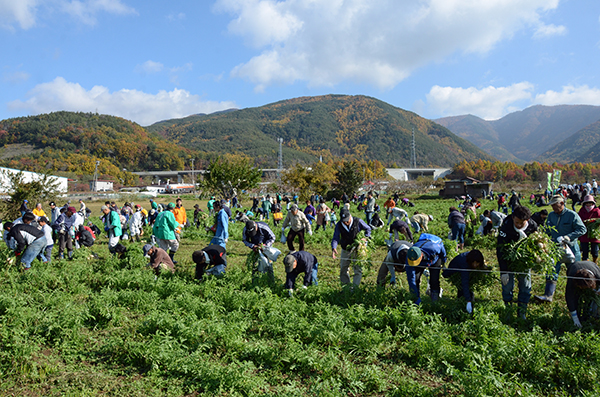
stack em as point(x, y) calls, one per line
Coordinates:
point(331, 126)
point(68, 141)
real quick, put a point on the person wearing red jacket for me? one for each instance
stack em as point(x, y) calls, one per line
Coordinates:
point(589, 214)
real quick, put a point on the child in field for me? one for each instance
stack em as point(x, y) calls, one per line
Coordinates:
point(46, 254)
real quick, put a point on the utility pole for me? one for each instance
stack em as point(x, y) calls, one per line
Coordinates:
point(280, 162)
point(193, 176)
point(414, 150)
point(95, 188)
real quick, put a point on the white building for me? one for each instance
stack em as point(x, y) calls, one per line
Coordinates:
point(62, 182)
point(411, 174)
point(101, 186)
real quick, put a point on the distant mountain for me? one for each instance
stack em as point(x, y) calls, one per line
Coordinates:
point(479, 132)
point(580, 147)
point(525, 135)
point(331, 127)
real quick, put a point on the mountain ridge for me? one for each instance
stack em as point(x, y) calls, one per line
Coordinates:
point(525, 135)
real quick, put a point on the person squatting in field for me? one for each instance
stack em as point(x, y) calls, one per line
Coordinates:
point(159, 259)
point(300, 262)
point(30, 241)
point(583, 278)
point(464, 264)
point(210, 260)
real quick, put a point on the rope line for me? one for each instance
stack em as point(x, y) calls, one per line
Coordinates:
point(491, 271)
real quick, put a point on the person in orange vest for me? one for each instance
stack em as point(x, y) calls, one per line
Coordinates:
point(180, 217)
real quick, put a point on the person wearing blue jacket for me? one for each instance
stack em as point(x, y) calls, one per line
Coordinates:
point(222, 226)
point(565, 227)
point(464, 264)
point(427, 253)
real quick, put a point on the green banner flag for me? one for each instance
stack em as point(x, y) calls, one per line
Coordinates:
point(550, 181)
point(556, 179)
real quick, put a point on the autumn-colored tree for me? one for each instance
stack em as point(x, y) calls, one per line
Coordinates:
point(318, 178)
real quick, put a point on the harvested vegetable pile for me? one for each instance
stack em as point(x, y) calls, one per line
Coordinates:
point(536, 252)
point(593, 228)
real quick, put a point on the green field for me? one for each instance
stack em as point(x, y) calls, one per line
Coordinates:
point(105, 326)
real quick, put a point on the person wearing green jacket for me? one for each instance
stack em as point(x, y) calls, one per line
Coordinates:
point(112, 226)
point(210, 205)
point(164, 231)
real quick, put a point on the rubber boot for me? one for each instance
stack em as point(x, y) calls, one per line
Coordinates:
point(548, 293)
point(70, 254)
point(171, 255)
point(522, 310)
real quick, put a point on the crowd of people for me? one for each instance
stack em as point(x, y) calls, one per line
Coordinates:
point(34, 234)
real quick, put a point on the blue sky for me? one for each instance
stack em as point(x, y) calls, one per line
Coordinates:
point(151, 60)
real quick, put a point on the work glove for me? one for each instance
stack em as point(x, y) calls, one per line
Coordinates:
point(304, 286)
point(106, 228)
point(290, 292)
point(505, 278)
point(18, 253)
point(310, 232)
point(566, 239)
point(575, 319)
point(283, 229)
point(469, 307)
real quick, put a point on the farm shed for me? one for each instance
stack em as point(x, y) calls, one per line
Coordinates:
point(470, 186)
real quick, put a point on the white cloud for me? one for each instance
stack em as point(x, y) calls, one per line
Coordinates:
point(85, 11)
point(570, 95)
point(489, 103)
point(25, 12)
point(16, 77)
point(176, 17)
point(149, 67)
point(138, 106)
point(21, 12)
point(376, 42)
point(549, 30)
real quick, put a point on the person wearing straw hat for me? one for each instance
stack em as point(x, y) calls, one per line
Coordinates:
point(565, 227)
point(427, 253)
point(515, 227)
point(589, 214)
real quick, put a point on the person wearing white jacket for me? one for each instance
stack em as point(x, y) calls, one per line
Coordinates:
point(135, 223)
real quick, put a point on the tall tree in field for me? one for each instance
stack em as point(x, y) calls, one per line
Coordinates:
point(349, 177)
point(41, 190)
point(224, 174)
